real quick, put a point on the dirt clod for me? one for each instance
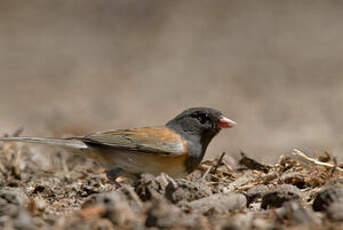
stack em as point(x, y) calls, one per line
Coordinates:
point(148, 186)
point(220, 203)
point(185, 190)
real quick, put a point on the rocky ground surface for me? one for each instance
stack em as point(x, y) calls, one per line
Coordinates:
point(294, 193)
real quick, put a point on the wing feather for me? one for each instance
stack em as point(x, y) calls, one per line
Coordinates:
point(150, 139)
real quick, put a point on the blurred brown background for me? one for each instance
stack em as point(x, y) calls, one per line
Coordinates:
point(83, 65)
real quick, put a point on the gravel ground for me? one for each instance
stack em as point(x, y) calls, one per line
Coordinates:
point(47, 189)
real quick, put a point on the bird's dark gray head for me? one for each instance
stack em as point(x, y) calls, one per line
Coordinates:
point(200, 123)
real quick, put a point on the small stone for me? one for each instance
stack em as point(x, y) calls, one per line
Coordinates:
point(14, 196)
point(327, 196)
point(256, 192)
point(278, 196)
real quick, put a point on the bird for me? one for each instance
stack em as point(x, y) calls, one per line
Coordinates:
point(176, 148)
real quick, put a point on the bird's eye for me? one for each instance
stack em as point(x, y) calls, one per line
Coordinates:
point(202, 118)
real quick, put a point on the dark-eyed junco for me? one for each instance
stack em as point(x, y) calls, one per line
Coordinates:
point(176, 148)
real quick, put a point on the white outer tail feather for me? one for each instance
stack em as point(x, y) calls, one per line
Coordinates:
point(66, 143)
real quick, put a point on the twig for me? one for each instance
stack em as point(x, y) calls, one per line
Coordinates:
point(219, 162)
point(208, 166)
point(314, 161)
point(207, 171)
point(253, 164)
point(228, 167)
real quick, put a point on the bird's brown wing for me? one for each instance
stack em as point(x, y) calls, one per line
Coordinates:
point(150, 139)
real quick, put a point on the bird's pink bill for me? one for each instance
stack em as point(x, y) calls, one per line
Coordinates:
point(225, 122)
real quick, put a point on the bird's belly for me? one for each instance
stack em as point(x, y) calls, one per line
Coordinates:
point(141, 162)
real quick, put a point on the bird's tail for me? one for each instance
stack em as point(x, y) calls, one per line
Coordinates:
point(68, 143)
